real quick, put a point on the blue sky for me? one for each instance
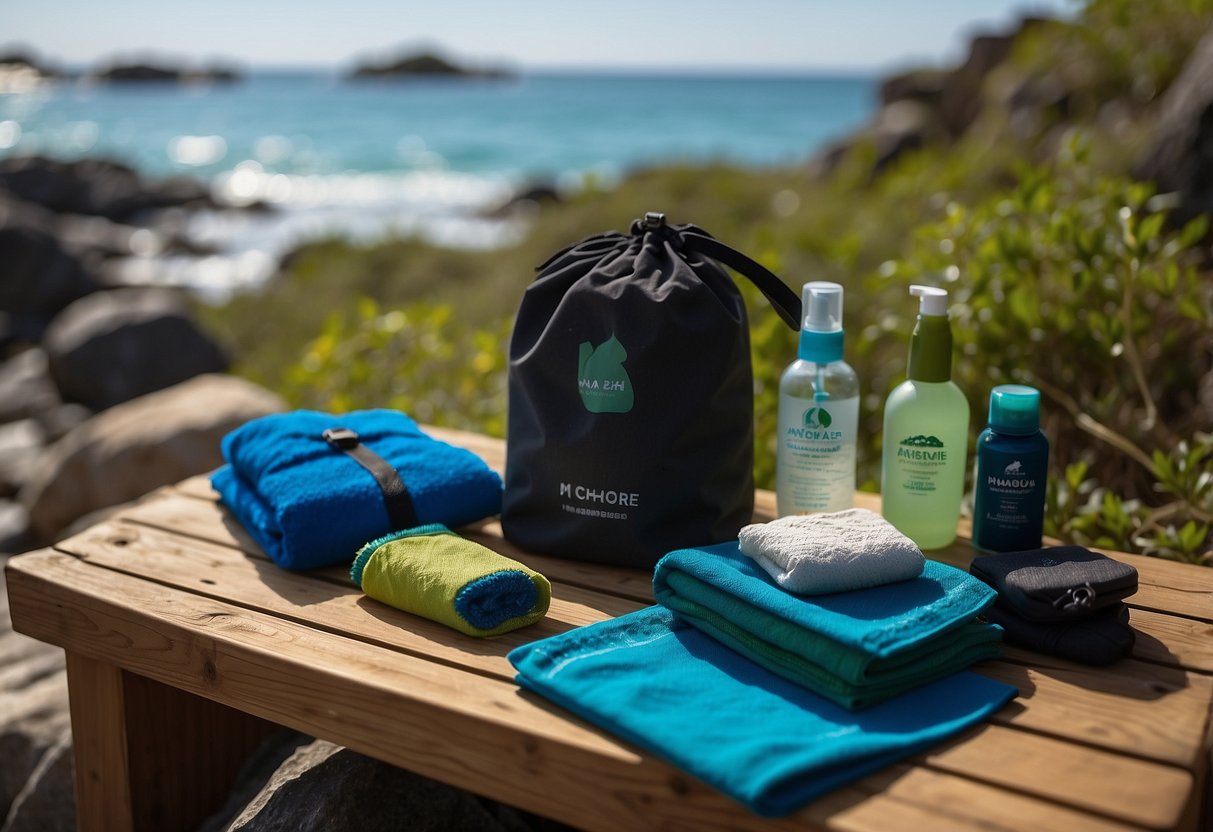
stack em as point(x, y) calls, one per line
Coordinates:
point(709, 34)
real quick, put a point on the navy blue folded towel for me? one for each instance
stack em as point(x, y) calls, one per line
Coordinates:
point(308, 503)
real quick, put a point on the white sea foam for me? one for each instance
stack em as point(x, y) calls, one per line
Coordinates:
point(441, 207)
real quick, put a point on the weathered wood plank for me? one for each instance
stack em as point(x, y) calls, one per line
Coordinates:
point(1165, 639)
point(1164, 586)
point(228, 575)
point(209, 521)
point(1122, 787)
point(472, 731)
point(1145, 710)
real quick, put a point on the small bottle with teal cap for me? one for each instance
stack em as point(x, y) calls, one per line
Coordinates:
point(1012, 467)
point(818, 413)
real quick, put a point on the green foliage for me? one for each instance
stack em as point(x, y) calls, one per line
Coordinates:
point(421, 359)
point(1080, 510)
point(1063, 275)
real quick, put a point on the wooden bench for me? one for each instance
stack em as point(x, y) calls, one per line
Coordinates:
point(185, 646)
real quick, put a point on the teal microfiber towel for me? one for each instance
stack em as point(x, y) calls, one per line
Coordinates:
point(432, 572)
point(654, 680)
point(856, 648)
point(308, 504)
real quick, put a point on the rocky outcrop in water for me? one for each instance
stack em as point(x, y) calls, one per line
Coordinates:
point(422, 65)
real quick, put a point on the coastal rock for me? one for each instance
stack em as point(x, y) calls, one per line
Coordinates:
point(33, 708)
point(138, 72)
point(925, 85)
point(26, 387)
point(901, 126)
point(96, 186)
point(14, 528)
point(132, 448)
point(40, 277)
point(526, 203)
point(47, 802)
point(20, 446)
point(21, 72)
point(960, 99)
point(323, 786)
point(422, 65)
point(1180, 159)
point(33, 705)
point(114, 346)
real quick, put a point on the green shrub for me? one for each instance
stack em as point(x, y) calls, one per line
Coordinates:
point(1068, 282)
point(421, 359)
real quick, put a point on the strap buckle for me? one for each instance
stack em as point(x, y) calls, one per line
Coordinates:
point(1076, 598)
point(341, 439)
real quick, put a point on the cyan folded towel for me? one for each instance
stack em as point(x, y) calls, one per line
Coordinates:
point(815, 554)
point(654, 680)
point(308, 504)
point(855, 648)
point(432, 572)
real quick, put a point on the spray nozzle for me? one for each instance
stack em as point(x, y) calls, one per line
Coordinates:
point(822, 306)
point(931, 300)
point(821, 332)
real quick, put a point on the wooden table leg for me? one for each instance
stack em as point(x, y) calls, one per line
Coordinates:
point(150, 756)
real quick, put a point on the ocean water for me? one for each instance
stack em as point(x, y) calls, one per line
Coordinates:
point(421, 157)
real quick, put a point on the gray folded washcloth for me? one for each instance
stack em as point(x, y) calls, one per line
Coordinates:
point(813, 554)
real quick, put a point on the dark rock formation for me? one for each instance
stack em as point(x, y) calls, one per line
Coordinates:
point(135, 447)
point(927, 106)
point(138, 72)
point(422, 65)
point(96, 186)
point(1180, 160)
point(113, 346)
point(37, 278)
point(525, 203)
point(47, 802)
point(33, 706)
point(323, 787)
point(26, 388)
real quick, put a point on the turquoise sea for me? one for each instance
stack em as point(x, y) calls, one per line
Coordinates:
point(365, 159)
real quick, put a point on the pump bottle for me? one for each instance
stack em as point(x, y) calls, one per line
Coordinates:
point(818, 413)
point(926, 433)
point(1012, 470)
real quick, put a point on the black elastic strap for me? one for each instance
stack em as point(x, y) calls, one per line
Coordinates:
point(785, 302)
point(396, 497)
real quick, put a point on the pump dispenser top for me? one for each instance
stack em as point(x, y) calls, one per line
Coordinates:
point(821, 335)
point(931, 344)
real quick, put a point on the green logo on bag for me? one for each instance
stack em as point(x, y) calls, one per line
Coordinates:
point(601, 380)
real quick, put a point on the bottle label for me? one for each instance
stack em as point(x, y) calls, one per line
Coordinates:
point(1009, 493)
point(816, 455)
point(920, 460)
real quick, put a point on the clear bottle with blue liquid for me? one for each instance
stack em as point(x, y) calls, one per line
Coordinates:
point(818, 413)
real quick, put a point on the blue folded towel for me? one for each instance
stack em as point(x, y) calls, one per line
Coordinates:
point(858, 647)
point(309, 505)
point(660, 683)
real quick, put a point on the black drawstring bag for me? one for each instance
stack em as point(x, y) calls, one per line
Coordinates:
point(631, 397)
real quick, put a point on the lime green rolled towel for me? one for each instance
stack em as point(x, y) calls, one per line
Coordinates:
point(432, 572)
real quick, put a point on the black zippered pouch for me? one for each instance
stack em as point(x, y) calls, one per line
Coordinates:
point(1057, 583)
point(1099, 639)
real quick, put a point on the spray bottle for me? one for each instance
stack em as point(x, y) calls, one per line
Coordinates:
point(818, 413)
point(926, 433)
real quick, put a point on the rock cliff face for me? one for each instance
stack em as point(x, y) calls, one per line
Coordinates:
point(1180, 160)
